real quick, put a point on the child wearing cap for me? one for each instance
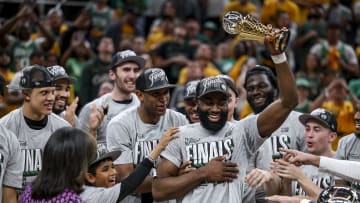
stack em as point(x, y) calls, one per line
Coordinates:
point(101, 176)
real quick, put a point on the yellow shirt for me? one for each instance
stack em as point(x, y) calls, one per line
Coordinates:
point(209, 70)
point(243, 9)
point(344, 117)
point(156, 38)
point(271, 7)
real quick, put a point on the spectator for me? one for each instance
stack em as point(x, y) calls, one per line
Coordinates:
point(334, 99)
point(303, 90)
point(96, 71)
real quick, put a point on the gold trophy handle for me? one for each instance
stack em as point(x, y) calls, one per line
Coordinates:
point(249, 28)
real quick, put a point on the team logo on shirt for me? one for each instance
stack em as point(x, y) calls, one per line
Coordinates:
point(322, 182)
point(142, 149)
point(202, 153)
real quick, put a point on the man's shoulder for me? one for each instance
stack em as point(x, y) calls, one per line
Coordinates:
point(127, 116)
point(58, 121)
point(10, 117)
point(349, 139)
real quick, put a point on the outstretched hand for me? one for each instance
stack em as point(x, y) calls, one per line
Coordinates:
point(300, 158)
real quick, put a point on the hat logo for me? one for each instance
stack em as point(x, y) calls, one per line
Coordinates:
point(191, 89)
point(213, 83)
point(127, 53)
point(157, 75)
point(56, 70)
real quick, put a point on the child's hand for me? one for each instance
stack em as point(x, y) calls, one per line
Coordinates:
point(169, 135)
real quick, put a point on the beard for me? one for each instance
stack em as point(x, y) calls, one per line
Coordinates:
point(209, 125)
point(269, 99)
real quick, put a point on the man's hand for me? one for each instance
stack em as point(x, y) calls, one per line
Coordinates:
point(184, 168)
point(219, 171)
point(301, 158)
point(258, 177)
point(285, 169)
point(70, 112)
point(284, 199)
point(95, 119)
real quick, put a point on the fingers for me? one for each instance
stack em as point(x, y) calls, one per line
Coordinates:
point(219, 158)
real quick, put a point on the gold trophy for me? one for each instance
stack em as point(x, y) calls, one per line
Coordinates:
point(250, 28)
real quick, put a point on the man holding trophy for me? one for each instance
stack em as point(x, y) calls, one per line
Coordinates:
point(219, 150)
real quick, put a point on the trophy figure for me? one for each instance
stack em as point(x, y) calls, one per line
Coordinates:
point(250, 28)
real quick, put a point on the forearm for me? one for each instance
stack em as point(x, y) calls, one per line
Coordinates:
point(66, 56)
point(308, 186)
point(318, 101)
point(287, 86)
point(273, 187)
point(48, 36)
point(349, 170)
point(175, 187)
point(285, 187)
point(133, 181)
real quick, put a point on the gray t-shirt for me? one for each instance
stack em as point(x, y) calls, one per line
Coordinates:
point(349, 149)
point(290, 135)
point(114, 108)
point(100, 194)
point(11, 160)
point(236, 141)
point(32, 142)
point(136, 139)
point(321, 179)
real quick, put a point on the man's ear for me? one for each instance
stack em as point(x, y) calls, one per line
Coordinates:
point(90, 178)
point(112, 74)
point(139, 94)
point(333, 136)
point(26, 94)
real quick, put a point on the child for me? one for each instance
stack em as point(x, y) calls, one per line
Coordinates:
point(101, 175)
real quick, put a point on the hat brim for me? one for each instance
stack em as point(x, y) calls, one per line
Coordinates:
point(110, 155)
point(304, 118)
point(70, 79)
point(136, 59)
point(166, 86)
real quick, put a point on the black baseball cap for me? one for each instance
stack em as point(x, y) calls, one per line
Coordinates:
point(211, 84)
point(190, 89)
point(106, 155)
point(58, 72)
point(338, 194)
point(127, 56)
point(34, 77)
point(152, 79)
point(322, 116)
point(230, 83)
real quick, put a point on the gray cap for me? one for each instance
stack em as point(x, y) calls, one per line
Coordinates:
point(127, 56)
point(152, 79)
point(322, 116)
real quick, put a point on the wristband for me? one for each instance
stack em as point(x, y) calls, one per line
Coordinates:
point(280, 58)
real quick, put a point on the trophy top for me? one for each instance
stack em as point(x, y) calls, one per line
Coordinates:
point(230, 22)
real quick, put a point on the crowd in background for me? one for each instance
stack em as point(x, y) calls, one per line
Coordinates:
point(186, 40)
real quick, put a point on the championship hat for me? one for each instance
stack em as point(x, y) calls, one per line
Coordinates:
point(127, 56)
point(211, 84)
point(152, 79)
point(323, 116)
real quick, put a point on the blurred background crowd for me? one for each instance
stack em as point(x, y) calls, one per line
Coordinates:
point(186, 39)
